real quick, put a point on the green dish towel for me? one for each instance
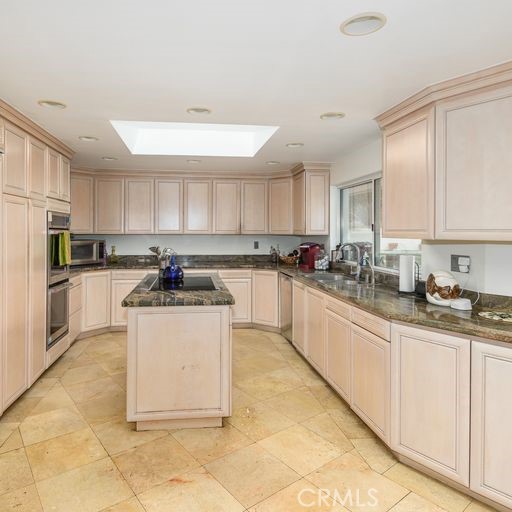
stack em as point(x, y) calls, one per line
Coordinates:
point(64, 248)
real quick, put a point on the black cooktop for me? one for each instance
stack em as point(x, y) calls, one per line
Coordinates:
point(188, 283)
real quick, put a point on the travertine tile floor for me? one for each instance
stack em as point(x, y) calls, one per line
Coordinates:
point(65, 445)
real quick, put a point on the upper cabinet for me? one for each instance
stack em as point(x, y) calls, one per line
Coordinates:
point(280, 206)
point(15, 178)
point(82, 204)
point(226, 207)
point(254, 206)
point(64, 179)
point(198, 206)
point(53, 190)
point(169, 205)
point(139, 206)
point(408, 171)
point(109, 206)
point(447, 159)
point(2, 135)
point(299, 204)
point(36, 169)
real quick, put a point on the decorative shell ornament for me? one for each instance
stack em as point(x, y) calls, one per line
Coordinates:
point(442, 288)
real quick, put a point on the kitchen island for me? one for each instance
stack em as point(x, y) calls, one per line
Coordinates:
point(179, 353)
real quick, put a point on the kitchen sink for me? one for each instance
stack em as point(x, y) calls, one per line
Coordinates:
point(339, 280)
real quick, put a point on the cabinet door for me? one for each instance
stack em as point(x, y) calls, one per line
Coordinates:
point(169, 206)
point(38, 290)
point(254, 207)
point(371, 380)
point(198, 206)
point(82, 204)
point(265, 298)
point(15, 241)
point(317, 203)
point(226, 207)
point(299, 303)
point(430, 397)
point(65, 176)
point(120, 289)
point(299, 204)
point(240, 288)
point(473, 162)
point(139, 205)
point(314, 329)
point(408, 177)
point(15, 161)
point(338, 354)
point(280, 205)
point(53, 165)
point(37, 169)
point(109, 206)
point(95, 301)
point(491, 422)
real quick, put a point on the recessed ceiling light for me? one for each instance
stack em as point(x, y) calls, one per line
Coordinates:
point(88, 138)
point(332, 115)
point(363, 24)
point(108, 158)
point(193, 161)
point(272, 162)
point(294, 144)
point(199, 110)
point(193, 139)
point(51, 104)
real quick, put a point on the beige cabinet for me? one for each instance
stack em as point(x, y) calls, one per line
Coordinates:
point(37, 291)
point(408, 201)
point(139, 206)
point(299, 304)
point(473, 162)
point(36, 169)
point(64, 179)
point(317, 202)
point(15, 175)
point(338, 353)
point(226, 207)
point(53, 166)
point(314, 329)
point(299, 203)
point(281, 206)
point(254, 207)
point(123, 282)
point(82, 204)
point(265, 297)
point(239, 284)
point(95, 300)
point(75, 308)
point(15, 297)
point(198, 206)
point(430, 400)
point(2, 135)
point(109, 206)
point(370, 385)
point(491, 421)
point(169, 205)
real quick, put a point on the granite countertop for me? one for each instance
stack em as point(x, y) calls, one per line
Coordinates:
point(142, 296)
point(386, 302)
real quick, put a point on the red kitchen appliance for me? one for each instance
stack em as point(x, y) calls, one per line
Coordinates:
point(308, 250)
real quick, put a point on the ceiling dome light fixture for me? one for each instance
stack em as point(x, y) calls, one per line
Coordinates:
point(363, 24)
point(193, 161)
point(52, 104)
point(272, 162)
point(332, 115)
point(199, 110)
point(295, 144)
point(109, 158)
point(88, 138)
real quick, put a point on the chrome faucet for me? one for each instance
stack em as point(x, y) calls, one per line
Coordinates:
point(357, 273)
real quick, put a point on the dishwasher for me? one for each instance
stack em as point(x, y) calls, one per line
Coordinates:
point(286, 304)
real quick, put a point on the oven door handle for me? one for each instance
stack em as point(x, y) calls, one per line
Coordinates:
point(59, 287)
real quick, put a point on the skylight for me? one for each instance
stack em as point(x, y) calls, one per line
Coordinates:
point(193, 139)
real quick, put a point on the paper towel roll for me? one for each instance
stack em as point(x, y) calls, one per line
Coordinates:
point(407, 271)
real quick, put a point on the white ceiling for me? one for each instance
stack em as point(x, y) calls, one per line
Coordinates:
point(265, 62)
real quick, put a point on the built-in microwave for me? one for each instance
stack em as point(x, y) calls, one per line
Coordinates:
point(88, 252)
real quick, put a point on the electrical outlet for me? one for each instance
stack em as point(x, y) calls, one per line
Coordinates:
point(460, 263)
point(256, 244)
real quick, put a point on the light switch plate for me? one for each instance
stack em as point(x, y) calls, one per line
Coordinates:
point(460, 263)
point(256, 244)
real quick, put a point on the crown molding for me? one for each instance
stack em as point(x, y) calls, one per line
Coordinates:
point(14, 116)
point(500, 74)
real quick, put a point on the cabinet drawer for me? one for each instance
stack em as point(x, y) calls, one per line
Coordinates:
point(75, 299)
point(118, 275)
point(75, 281)
point(338, 307)
point(235, 274)
point(372, 323)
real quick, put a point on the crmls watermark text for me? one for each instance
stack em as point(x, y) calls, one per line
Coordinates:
point(324, 498)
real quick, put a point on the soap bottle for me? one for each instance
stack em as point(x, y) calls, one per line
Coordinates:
point(114, 258)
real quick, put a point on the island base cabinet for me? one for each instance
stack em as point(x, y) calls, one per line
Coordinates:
point(299, 299)
point(491, 422)
point(370, 397)
point(240, 288)
point(430, 400)
point(179, 366)
point(314, 329)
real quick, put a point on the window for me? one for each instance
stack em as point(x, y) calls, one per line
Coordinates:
point(361, 224)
